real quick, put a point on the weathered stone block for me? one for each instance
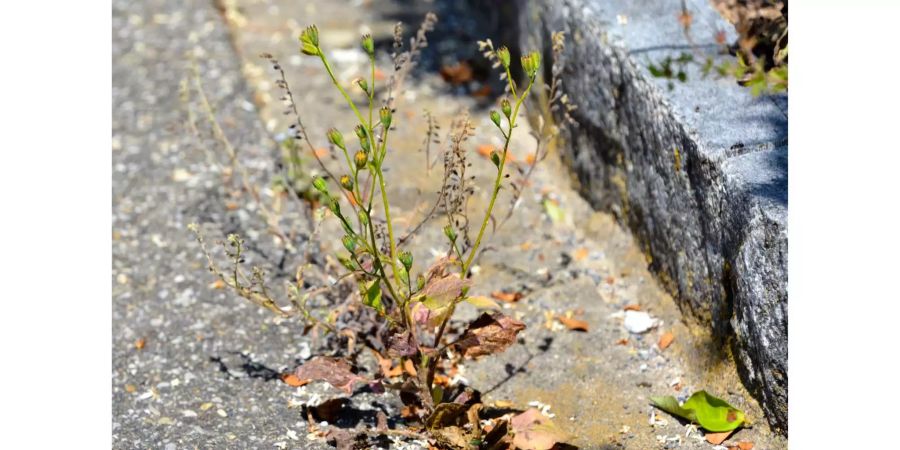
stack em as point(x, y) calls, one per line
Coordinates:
point(698, 171)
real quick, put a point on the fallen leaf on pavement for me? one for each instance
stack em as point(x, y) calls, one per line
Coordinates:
point(622, 341)
point(632, 307)
point(482, 302)
point(580, 254)
point(508, 297)
point(573, 324)
point(712, 413)
point(140, 344)
point(336, 371)
point(744, 445)
point(535, 431)
point(293, 380)
point(665, 340)
point(717, 438)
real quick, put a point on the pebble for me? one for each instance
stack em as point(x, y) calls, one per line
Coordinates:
point(638, 322)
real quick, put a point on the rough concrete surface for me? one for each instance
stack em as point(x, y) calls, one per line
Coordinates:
point(197, 367)
point(697, 170)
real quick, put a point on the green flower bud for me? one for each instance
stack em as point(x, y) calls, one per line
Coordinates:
point(495, 117)
point(349, 243)
point(363, 217)
point(361, 158)
point(309, 41)
point(503, 56)
point(347, 182)
point(335, 207)
point(336, 138)
point(505, 107)
point(450, 233)
point(406, 259)
point(420, 282)
point(368, 44)
point(495, 158)
point(385, 116)
point(361, 82)
point(361, 131)
point(320, 185)
point(531, 63)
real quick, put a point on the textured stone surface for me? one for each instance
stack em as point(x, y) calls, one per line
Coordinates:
point(698, 171)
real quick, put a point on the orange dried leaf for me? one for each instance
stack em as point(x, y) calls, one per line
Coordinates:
point(717, 438)
point(665, 340)
point(231, 206)
point(140, 343)
point(744, 445)
point(632, 307)
point(485, 150)
point(530, 159)
point(409, 367)
point(573, 324)
point(508, 297)
point(581, 254)
point(622, 341)
point(293, 380)
point(218, 284)
point(535, 431)
point(321, 152)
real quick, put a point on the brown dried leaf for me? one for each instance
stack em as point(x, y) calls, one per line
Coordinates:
point(508, 297)
point(623, 341)
point(717, 438)
point(632, 307)
point(665, 340)
point(573, 324)
point(535, 431)
point(490, 333)
point(140, 343)
point(447, 414)
point(400, 344)
point(336, 371)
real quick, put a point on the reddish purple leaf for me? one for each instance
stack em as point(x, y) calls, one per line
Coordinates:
point(335, 371)
point(490, 333)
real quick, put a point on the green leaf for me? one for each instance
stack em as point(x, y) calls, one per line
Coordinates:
point(373, 296)
point(482, 302)
point(670, 405)
point(553, 210)
point(712, 413)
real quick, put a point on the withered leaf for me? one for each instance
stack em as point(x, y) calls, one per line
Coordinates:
point(447, 414)
point(400, 344)
point(293, 380)
point(451, 437)
point(335, 371)
point(535, 431)
point(342, 439)
point(665, 340)
point(573, 324)
point(490, 333)
point(717, 438)
point(743, 445)
point(508, 297)
point(330, 410)
point(440, 292)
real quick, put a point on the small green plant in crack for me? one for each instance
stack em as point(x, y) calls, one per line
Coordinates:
point(411, 306)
